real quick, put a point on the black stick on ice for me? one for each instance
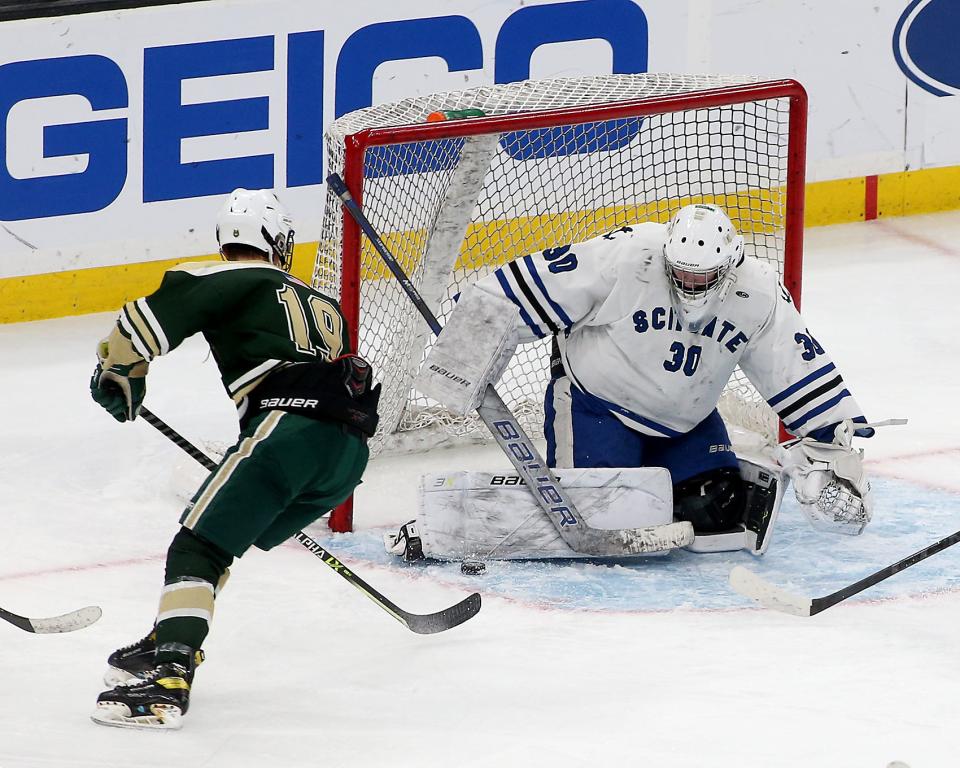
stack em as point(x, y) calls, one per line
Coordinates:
point(749, 584)
point(422, 624)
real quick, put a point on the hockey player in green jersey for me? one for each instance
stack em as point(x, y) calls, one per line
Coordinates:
point(306, 406)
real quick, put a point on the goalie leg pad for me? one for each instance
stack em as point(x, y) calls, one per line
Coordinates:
point(763, 488)
point(472, 351)
point(482, 515)
point(765, 485)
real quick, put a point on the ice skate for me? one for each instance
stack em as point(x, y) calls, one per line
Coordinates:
point(134, 662)
point(158, 701)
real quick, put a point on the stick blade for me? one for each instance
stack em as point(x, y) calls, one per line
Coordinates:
point(634, 541)
point(68, 622)
point(749, 584)
point(448, 618)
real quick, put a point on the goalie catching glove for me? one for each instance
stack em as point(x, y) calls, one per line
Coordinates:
point(119, 381)
point(829, 482)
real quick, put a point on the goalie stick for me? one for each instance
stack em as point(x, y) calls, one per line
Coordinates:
point(68, 622)
point(422, 624)
point(519, 448)
point(749, 584)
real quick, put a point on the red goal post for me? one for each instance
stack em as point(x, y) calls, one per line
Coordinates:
point(552, 162)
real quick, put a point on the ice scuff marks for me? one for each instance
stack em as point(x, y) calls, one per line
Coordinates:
point(907, 518)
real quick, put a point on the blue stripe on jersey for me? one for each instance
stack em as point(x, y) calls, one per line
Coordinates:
point(531, 268)
point(663, 430)
point(809, 395)
point(793, 426)
point(508, 292)
point(800, 384)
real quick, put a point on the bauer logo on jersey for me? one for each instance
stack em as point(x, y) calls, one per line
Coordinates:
point(923, 51)
point(288, 402)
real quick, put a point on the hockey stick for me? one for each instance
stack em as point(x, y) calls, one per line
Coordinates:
point(519, 448)
point(175, 437)
point(68, 622)
point(422, 624)
point(749, 584)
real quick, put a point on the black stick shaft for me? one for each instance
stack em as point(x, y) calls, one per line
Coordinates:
point(175, 437)
point(822, 603)
point(341, 191)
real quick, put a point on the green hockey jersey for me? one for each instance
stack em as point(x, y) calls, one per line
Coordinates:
point(255, 316)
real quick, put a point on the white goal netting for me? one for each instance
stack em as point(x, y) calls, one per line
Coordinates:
point(453, 208)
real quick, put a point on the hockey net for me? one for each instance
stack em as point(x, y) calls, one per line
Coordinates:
point(552, 162)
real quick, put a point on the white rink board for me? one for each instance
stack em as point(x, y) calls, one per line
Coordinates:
point(841, 52)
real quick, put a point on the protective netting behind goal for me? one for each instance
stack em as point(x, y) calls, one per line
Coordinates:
point(554, 162)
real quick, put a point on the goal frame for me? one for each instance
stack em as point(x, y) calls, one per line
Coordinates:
point(357, 144)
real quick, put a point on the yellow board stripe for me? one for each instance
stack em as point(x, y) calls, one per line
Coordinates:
point(491, 243)
point(924, 191)
point(102, 289)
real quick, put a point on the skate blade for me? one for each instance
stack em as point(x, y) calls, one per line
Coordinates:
point(162, 717)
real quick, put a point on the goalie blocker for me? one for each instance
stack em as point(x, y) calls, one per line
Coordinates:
point(492, 516)
point(483, 324)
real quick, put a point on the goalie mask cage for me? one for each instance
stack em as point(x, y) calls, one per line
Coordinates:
point(552, 162)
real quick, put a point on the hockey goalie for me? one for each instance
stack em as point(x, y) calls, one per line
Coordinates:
point(648, 322)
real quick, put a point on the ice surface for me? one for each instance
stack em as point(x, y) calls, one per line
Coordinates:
point(656, 664)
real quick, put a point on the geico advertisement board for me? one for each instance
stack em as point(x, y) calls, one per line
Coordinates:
point(124, 130)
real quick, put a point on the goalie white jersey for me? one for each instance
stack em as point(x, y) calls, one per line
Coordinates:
point(624, 338)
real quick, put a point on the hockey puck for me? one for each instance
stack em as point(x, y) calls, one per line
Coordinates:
point(472, 567)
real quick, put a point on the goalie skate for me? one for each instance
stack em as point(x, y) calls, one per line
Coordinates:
point(406, 542)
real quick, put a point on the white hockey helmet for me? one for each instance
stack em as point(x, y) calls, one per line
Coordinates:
point(255, 217)
point(701, 246)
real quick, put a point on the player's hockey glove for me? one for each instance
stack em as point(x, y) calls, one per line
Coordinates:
point(119, 388)
point(357, 375)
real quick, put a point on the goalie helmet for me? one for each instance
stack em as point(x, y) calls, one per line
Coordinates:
point(258, 219)
point(701, 246)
